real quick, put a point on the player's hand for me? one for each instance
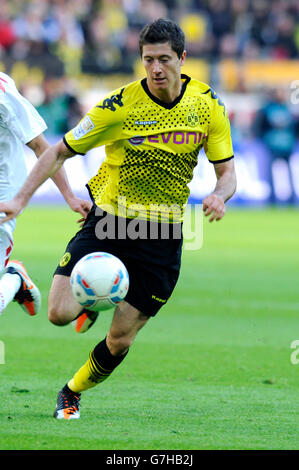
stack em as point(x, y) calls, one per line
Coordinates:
point(11, 209)
point(214, 206)
point(81, 206)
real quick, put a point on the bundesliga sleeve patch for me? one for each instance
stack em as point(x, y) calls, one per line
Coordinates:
point(85, 126)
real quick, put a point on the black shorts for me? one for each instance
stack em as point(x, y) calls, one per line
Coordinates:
point(153, 264)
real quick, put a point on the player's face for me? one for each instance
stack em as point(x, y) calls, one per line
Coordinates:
point(163, 69)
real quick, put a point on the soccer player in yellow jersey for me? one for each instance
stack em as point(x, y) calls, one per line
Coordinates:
point(153, 130)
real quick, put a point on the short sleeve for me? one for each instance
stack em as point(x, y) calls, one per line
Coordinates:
point(100, 126)
point(218, 145)
point(19, 115)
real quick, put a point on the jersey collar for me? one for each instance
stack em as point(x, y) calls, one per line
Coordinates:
point(162, 103)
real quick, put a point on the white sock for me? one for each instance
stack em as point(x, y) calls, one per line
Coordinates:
point(9, 286)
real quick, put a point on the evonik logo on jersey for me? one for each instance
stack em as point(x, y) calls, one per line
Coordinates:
point(177, 138)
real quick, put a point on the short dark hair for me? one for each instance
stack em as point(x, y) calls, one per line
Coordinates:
point(163, 30)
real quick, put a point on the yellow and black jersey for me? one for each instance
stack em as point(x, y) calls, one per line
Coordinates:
point(151, 147)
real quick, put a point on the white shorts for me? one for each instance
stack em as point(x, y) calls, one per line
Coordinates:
point(6, 245)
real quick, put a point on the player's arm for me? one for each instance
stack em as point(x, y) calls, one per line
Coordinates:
point(214, 204)
point(47, 165)
point(39, 145)
point(219, 150)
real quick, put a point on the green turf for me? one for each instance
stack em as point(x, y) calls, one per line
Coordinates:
point(211, 371)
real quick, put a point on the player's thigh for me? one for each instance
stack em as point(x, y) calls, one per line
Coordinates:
point(61, 303)
point(6, 245)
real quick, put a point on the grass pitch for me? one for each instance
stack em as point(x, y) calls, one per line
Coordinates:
point(211, 371)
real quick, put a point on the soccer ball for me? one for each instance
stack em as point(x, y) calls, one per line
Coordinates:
point(99, 281)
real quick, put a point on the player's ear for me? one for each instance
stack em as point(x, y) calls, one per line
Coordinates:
point(183, 58)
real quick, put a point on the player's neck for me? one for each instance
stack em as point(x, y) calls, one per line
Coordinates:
point(167, 95)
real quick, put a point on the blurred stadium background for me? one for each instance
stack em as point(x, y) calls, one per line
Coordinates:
point(66, 54)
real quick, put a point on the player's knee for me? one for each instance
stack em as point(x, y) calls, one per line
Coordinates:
point(118, 344)
point(55, 316)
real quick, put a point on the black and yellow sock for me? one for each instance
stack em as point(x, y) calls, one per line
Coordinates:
point(100, 365)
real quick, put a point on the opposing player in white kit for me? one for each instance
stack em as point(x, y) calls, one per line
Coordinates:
point(21, 124)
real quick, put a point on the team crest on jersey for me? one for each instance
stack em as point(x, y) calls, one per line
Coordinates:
point(85, 126)
point(192, 119)
point(65, 259)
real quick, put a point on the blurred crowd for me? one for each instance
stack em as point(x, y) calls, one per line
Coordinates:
point(49, 42)
point(101, 36)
